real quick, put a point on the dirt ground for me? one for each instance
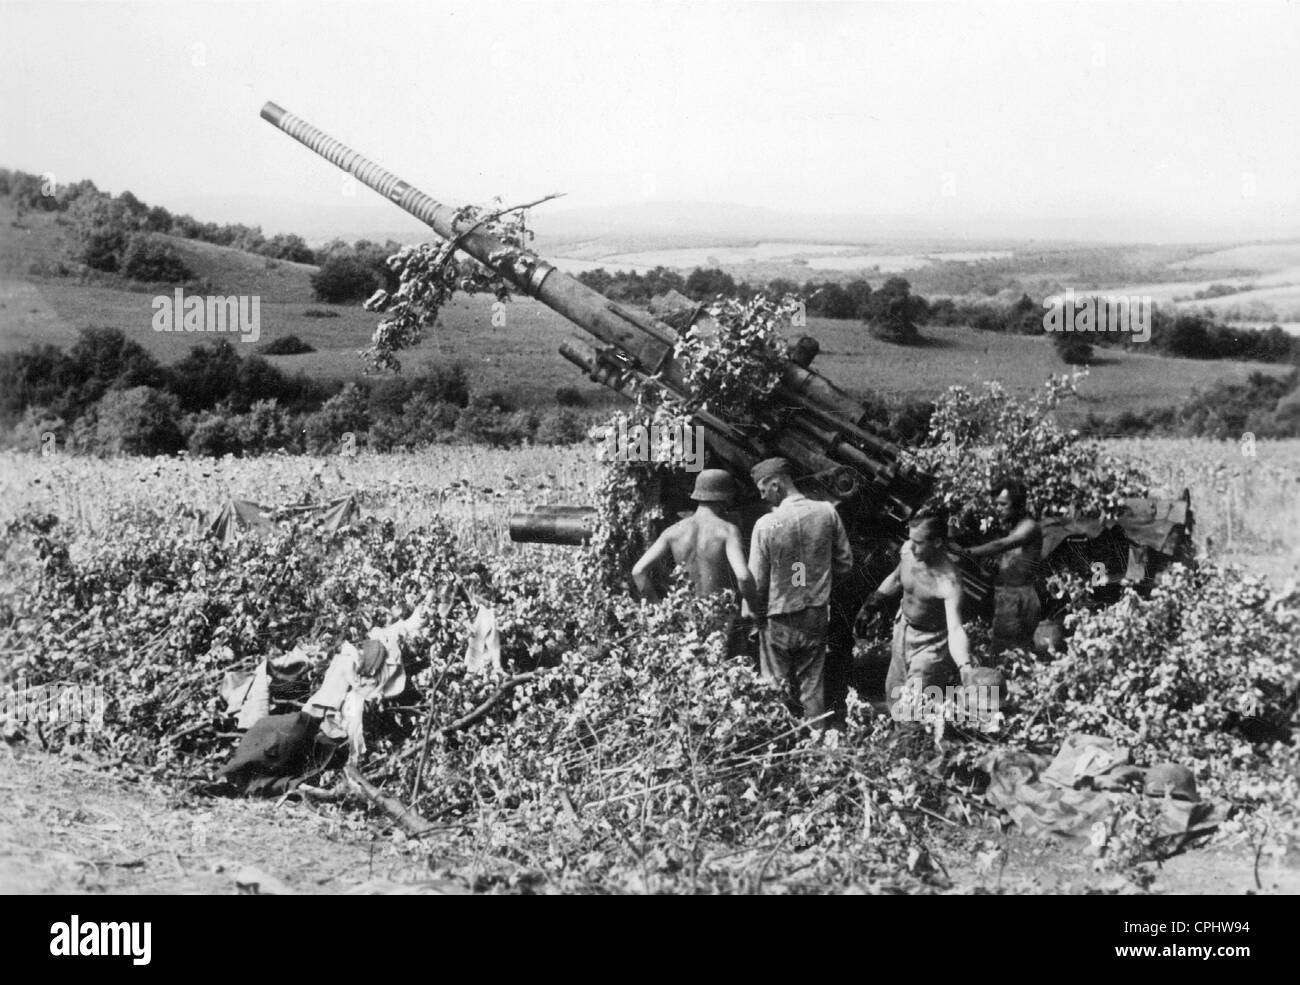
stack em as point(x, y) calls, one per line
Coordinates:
point(68, 827)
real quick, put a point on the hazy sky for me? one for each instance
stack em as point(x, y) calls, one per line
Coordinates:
point(1175, 117)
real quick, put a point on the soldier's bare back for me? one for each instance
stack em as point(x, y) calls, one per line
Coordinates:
point(700, 543)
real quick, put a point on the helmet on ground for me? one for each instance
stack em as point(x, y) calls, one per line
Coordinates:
point(1176, 781)
point(1049, 637)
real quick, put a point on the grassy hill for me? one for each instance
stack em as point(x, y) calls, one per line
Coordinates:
point(520, 357)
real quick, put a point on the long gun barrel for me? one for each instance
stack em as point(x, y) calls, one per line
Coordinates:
point(814, 423)
point(647, 342)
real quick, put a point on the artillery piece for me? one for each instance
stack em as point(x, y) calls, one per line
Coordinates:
point(820, 428)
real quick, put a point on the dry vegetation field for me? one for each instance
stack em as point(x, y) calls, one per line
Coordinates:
point(1247, 508)
point(474, 489)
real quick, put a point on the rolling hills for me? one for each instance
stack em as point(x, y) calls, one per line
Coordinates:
point(520, 356)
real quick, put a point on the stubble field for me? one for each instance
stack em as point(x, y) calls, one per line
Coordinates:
point(1247, 506)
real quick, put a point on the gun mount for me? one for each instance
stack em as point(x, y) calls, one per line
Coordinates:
point(820, 428)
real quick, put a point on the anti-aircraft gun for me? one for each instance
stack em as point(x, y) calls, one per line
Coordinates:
point(820, 428)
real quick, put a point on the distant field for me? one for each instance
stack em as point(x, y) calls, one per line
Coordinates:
point(1272, 305)
point(746, 260)
point(521, 358)
point(1124, 380)
point(1265, 257)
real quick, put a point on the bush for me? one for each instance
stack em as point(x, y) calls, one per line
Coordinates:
point(1073, 349)
point(444, 384)
point(37, 422)
point(911, 421)
point(344, 278)
point(1196, 674)
point(747, 779)
point(570, 396)
point(213, 435)
point(267, 427)
point(977, 438)
point(286, 345)
point(496, 399)
point(102, 248)
point(1286, 416)
point(287, 246)
point(344, 413)
point(101, 359)
point(561, 427)
point(486, 421)
point(894, 312)
point(208, 375)
point(139, 421)
point(37, 376)
point(387, 395)
point(422, 421)
point(1228, 409)
point(706, 285)
point(149, 258)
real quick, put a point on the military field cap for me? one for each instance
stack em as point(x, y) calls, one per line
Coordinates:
point(713, 486)
point(769, 467)
point(1177, 781)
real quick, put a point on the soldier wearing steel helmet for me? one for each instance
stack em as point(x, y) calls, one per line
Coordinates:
point(706, 544)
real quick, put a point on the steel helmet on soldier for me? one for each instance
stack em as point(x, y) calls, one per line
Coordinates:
point(713, 486)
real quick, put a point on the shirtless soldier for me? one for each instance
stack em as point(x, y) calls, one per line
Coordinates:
point(706, 545)
point(1015, 597)
point(930, 645)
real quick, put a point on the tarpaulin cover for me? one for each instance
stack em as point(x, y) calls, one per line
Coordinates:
point(242, 515)
point(1069, 795)
point(1148, 525)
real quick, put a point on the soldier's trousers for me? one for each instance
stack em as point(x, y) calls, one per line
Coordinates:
point(1015, 617)
point(919, 655)
point(793, 654)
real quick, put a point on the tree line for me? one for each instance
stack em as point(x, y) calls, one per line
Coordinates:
point(108, 395)
point(896, 314)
